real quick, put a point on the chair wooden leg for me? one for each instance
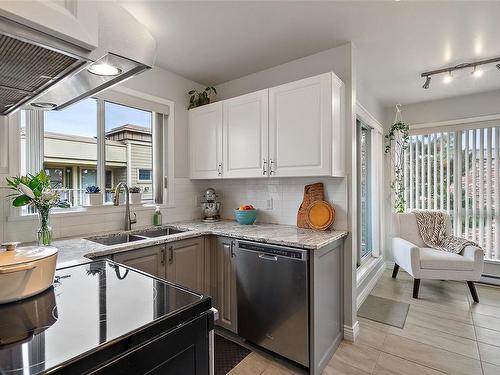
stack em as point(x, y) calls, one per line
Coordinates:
point(395, 271)
point(473, 291)
point(416, 285)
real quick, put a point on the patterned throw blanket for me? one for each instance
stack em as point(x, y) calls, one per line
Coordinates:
point(432, 228)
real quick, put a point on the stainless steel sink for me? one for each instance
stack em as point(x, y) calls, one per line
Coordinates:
point(160, 232)
point(116, 240)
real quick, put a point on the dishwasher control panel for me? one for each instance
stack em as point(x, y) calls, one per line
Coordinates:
point(275, 250)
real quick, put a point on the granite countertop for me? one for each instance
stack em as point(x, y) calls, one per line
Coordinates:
point(78, 250)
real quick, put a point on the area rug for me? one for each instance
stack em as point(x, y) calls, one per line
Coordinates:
point(384, 310)
point(227, 355)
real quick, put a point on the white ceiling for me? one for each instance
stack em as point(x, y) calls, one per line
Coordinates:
point(214, 42)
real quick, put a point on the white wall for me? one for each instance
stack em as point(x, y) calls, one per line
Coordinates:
point(370, 102)
point(157, 82)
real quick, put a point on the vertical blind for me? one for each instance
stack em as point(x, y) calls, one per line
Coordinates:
point(458, 172)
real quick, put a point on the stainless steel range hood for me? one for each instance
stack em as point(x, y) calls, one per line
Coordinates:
point(38, 71)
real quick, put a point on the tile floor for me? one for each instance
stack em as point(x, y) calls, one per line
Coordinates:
point(445, 333)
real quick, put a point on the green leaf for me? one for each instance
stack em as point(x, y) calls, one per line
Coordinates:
point(21, 200)
point(191, 92)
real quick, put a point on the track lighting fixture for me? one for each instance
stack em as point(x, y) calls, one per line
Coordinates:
point(427, 82)
point(448, 77)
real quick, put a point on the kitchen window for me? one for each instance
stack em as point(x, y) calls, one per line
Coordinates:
point(100, 141)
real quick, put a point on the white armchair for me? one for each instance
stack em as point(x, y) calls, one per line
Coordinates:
point(422, 262)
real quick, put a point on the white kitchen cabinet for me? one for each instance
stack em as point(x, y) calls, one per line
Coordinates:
point(292, 130)
point(205, 141)
point(74, 21)
point(302, 115)
point(245, 136)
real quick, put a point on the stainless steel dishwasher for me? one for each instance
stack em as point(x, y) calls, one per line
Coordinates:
point(272, 288)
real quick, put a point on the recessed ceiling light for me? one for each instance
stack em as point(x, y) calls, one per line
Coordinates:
point(104, 69)
point(43, 105)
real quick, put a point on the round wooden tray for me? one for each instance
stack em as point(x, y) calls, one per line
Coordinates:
point(320, 215)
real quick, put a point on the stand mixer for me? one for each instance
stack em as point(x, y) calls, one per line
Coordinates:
point(210, 207)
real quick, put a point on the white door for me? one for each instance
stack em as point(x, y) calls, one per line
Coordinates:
point(300, 127)
point(205, 141)
point(246, 136)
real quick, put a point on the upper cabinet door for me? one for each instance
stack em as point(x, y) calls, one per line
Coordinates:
point(205, 141)
point(75, 21)
point(300, 127)
point(245, 136)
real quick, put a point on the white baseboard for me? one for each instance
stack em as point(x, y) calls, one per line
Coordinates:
point(380, 268)
point(351, 333)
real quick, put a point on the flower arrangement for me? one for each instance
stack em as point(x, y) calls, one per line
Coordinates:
point(92, 190)
point(35, 191)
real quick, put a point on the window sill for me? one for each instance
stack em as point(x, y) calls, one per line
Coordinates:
point(365, 269)
point(91, 210)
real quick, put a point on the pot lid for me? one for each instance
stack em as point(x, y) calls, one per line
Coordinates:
point(25, 255)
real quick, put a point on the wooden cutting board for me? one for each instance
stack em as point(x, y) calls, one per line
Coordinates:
point(320, 215)
point(312, 193)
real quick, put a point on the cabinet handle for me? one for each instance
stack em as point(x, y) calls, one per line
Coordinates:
point(163, 255)
point(264, 167)
point(232, 249)
point(170, 255)
point(219, 169)
point(271, 167)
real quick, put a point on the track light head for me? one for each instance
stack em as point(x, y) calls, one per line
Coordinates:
point(498, 66)
point(427, 82)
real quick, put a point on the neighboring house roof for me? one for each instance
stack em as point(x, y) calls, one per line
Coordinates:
point(129, 128)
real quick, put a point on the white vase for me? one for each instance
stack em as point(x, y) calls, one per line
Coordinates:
point(94, 199)
point(135, 198)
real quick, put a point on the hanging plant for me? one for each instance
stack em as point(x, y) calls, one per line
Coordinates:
point(199, 98)
point(398, 139)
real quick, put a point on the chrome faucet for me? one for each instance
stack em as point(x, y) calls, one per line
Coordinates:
point(116, 202)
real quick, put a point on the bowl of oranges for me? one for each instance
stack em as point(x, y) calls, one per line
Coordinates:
point(245, 214)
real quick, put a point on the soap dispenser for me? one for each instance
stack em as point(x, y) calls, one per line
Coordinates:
point(157, 216)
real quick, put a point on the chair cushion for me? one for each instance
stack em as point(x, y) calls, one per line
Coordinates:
point(441, 260)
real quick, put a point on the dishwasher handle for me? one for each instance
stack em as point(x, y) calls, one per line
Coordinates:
point(265, 256)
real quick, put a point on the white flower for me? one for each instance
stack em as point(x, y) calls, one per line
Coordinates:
point(26, 190)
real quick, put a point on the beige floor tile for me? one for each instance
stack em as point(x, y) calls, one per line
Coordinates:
point(489, 353)
point(489, 369)
point(423, 319)
point(486, 321)
point(371, 335)
point(484, 309)
point(438, 339)
point(251, 364)
point(391, 365)
point(488, 336)
point(463, 316)
point(276, 369)
point(360, 356)
point(341, 368)
point(431, 356)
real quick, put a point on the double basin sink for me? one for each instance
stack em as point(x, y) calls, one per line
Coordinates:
point(116, 239)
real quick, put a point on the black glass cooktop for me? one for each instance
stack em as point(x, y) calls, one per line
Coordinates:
point(87, 307)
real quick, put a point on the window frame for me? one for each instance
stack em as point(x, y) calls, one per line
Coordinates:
point(135, 99)
point(139, 175)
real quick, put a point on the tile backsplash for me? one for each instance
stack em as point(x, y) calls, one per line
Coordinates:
point(277, 199)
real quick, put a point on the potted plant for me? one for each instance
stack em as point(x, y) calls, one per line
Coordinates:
point(397, 141)
point(199, 98)
point(94, 196)
point(135, 195)
point(35, 191)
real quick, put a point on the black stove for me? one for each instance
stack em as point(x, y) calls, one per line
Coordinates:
point(92, 315)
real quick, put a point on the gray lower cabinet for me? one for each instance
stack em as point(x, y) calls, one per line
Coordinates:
point(186, 263)
point(182, 262)
point(149, 259)
point(225, 282)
